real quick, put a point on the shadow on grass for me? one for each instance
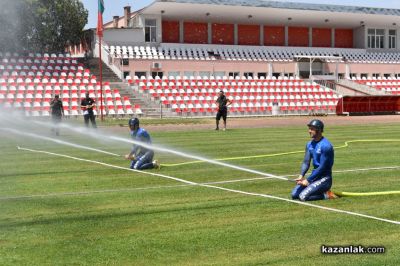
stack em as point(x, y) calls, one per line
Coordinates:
point(121, 214)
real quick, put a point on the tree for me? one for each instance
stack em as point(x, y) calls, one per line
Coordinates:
point(42, 25)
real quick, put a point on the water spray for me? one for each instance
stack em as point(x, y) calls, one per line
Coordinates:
point(182, 154)
point(168, 150)
point(57, 141)
point(102, 137)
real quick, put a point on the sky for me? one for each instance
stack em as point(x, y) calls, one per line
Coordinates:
point(116, 7)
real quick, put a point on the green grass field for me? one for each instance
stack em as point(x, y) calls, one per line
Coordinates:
point(60, 211)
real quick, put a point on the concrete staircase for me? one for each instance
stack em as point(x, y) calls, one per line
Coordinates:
point(340, 88)
point(149, 107)
point(364, 89)
point(93, 65)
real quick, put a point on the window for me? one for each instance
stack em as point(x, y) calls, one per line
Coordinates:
point(376, 38)
point(140, 74)
point(204, 74)
point(157, 74)
point(189, 73)
point(262, 75)
point(371, 38)
point(248, 74)
point(386, 75)
point(364, 75)
point(150, 30)
point(219, 74)
point(375, 75)
point(276, 75)
point(392, 39)
point(233, 74)
point(174, 74)
point(380, 38)
point(125, 62)
point(126, 73)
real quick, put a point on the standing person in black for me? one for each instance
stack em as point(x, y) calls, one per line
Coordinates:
point(223, 103)
point(87, 106)
point(57, 112)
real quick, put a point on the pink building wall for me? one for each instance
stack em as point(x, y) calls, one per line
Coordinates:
point(255, 67)
point(209, 66)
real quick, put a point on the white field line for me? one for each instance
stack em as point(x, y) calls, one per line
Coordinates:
point(225, 189)
point(57, 141)
point(148, 146)
point(187, 155)
point(173, 186)
point(109, 165)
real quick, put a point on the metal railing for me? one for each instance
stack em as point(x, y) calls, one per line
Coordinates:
point(108, 60)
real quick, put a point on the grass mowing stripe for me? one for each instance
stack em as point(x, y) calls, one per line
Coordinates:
point(149, 146)
point(72, 193)
point(345, 145)
point(109, 165)
point(207, 183)
point(225, 189)
point(89, 192)
point(306, 204)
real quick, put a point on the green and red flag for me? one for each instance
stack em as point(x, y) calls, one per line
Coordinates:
point(100, 18)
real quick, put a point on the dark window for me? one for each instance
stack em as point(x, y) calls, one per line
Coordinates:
point(392, 39)
point(157, 74)
point(261, 75)
point(140, 74)
point(233, 74)
point(248, 74)
point(150, 30)
point(276, 75)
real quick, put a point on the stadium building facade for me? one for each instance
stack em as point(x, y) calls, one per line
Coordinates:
point(253, 38)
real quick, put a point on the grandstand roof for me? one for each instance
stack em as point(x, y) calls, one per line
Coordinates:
point(274, 12)
point(293, 5)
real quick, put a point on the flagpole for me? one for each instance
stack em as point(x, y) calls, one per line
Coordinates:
point(101, 81)
point(100, 35)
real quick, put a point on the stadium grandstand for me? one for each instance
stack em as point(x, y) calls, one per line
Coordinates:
point(173, 57)
point(29, 83)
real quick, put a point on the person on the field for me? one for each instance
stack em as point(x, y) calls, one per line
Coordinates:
point(320, 151)
point(87, 106)
point(57, 112)
point(223, 103)
point(141, 157)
